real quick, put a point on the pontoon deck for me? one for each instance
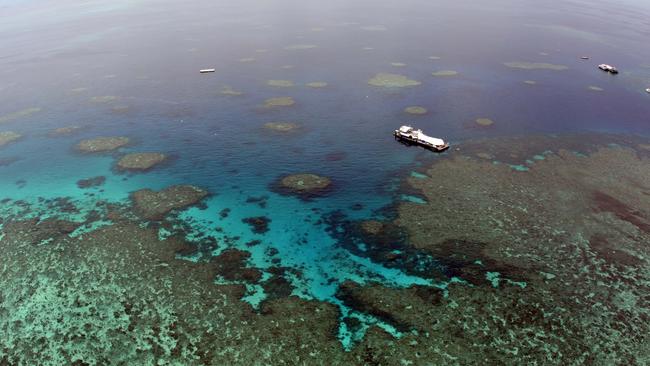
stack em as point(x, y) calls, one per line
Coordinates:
point(412, 136)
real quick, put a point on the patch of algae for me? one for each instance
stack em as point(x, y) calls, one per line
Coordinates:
point(19, 114)
point(535, 66)
point(388, 80)
point(565, 243)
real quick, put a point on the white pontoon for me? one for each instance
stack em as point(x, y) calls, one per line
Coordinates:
point(412, 136)
point(609, 68)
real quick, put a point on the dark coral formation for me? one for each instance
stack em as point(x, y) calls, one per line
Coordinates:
point(231, 265)
point(259, 224)
point(91, 182)
point(153, 205)
point(260, 201)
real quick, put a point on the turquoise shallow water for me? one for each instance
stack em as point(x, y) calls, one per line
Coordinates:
point(149, 60)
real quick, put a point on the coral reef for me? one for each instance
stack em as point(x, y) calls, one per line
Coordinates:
point(140, 161)
point(445, 73)
point(280, 83)
point(544, 266)
point(388, 80)
point(484, 122)
point(295, 47)
point(102, 144)
point(113, 298)
point(153, 205)
point(279, 102)
point(104, 99)
point(535, 66)
point(229, 91)
point(259, 224)
point(317, 84)
point(304, 185)
point(15, 115)
point(91, 182)
point(417, 110)
point(282, 127)
point(557, 256)
point(7, 137)
point(374, 28)
point(64, 131)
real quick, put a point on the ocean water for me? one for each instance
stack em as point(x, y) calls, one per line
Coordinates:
point(58, 56)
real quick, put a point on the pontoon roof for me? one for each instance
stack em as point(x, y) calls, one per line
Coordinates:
point(432, 140)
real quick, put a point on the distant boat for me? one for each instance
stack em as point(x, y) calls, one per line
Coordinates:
point(608, 68)
point(410, 135)
point(647, 90)
point(205, 71)
point(585, 57)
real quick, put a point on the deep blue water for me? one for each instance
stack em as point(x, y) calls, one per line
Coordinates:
point(147, 54)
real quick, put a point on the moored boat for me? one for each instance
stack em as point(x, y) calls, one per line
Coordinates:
point(608, 68)
point(414, 136)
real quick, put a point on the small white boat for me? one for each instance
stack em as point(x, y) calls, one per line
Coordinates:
point(647, 90)
point(205, 71)
point(409, 135)
point(585, 57)
point(608, 68)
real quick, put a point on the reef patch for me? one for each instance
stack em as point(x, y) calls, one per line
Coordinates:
point(139, 162)
point(7, 137)
point(152, 205)
point(304, 185)
point(388, 80)
point(102, 144)
point(535, 66)
point(279, 102)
